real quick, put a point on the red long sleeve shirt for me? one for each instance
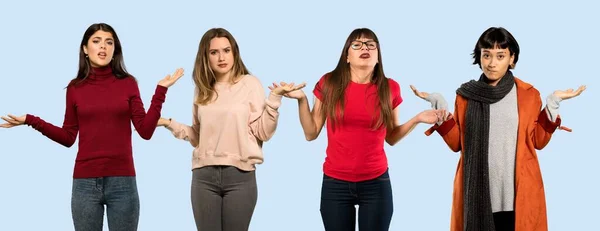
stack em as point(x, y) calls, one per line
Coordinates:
point(100, 110)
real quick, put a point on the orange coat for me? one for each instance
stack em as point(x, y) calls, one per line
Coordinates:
point(534, 132)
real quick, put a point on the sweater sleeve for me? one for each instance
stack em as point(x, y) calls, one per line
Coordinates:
point(185, 132)
point(64, 135)
point(263, 113)
point(145, 123)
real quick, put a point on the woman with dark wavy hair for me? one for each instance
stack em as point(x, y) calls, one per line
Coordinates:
point(102, 102)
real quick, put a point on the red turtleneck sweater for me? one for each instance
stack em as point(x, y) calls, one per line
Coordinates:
point(100, 110)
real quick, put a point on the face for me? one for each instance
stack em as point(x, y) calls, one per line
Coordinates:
point(220, 56)
point(100, 48)
point(495, 62)
point(362, 53)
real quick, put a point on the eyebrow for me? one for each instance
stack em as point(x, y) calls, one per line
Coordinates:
point(218, 49)
point(97, 37)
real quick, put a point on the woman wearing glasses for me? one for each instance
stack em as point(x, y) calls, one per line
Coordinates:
point(361, 106)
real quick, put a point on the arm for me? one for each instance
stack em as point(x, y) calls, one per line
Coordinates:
point(547, 121)
point(185, 132)
point(263, 113)
point(145, 123)
point(400, 131)
point(311, 121)
point(64, 135)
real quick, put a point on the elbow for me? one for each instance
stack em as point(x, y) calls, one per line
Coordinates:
point(391, 142)
point(69, 143)
point(146, 136)
point(310, 137)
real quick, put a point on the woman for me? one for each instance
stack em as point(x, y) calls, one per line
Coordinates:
point(497, 125)
point(231, 120)
point(360, 105)
point(102, 101)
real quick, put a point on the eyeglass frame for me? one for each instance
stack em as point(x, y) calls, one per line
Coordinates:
point(363, 44)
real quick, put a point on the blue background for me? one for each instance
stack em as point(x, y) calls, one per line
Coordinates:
point(425, 43)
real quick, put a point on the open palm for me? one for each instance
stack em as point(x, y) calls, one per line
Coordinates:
point(288, 90)
point(570, 93)
point(420, 94)
point(169, 80)
point(12, 121)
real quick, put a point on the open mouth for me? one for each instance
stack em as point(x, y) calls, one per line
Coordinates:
point(365, 56)
point(102, 55)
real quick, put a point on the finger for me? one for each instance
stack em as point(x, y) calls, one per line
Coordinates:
point(7, 125)
point(300, 86)
point(283, 83)
point(270, 88)
point(10, 121)
point(580, 90)
point(14, 117)
point(414, 89)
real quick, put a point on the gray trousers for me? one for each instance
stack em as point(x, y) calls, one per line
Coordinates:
point(223, 198)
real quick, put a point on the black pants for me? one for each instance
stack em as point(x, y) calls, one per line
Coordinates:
point(504, 221)
point(373, 197)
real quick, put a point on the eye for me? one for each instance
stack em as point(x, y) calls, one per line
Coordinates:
point(227, 50)
point(110, 43)
point(213, 52)
point(372, 45)
point(356, 45)
point(500, 56)
point(96, 41)
point(486, 56)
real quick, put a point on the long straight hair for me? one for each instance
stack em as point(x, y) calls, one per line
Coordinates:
point(117, 64)
point(334, 86)
point(204, 77)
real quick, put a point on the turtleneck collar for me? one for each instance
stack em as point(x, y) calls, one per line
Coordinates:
point(100, 73)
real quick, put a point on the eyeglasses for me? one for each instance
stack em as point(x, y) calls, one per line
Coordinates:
point(357, 45)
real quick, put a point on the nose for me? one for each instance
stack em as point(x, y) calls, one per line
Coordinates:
point(364, 47)
point(221, 57)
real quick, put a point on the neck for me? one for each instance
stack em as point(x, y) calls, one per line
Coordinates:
point(226, 77)
point(361, 75)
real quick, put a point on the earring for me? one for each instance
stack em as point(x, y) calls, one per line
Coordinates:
point(86, 56)
point(512, 65)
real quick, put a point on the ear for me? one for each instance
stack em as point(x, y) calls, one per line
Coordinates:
point(85, 51)
point(512, 61)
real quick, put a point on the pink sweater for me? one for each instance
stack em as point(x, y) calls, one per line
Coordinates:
point(231, 129)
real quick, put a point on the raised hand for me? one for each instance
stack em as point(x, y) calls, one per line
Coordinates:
point(569, 93)
point(288, 90)
point(12, 121)
point(422, 95)
point(169, 80)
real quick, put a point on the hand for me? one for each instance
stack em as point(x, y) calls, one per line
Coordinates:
point(169, 80)
point(163, 122)
point(288, 90)
point(13, 121)
point(418, 93)
point(430, 116)
point(569, 93)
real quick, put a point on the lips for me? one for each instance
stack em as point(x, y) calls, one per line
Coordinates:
point(102, 55)
point(365, 56)
point(223, 65)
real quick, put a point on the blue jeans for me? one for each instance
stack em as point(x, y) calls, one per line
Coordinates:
point(119, 194)
point(373, 197)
